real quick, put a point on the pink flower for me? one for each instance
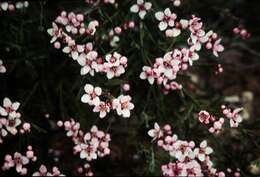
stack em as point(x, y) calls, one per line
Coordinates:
point(115, 65)
point(2, 67)
point(141, 8)
point(73, 49)
point(234, 117)
point(214, 43)
point(123, 106)
point(103, 109)
point(92, 95)
point(166, 18)
point(20, 161)
point(42, 172)
point(156, 133)
point(149, 74)
point(88, 63)
point(204, 117)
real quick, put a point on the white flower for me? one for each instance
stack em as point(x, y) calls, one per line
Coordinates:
point(12, 124)
point(149, 74)
point(203, 151)
point(9, 108)
point(88, 152)
point(55, 32)
point(141, 8)
point(156, 133)
point(2, 67)
point(123, 105)
point(166, 18)
point(88, 63)
point(92, 95)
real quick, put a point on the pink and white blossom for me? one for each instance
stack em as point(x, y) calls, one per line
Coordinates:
point(141, 8)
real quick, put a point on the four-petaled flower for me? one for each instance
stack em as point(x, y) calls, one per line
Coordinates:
point(166, 18)
point(92, 95)
point(141, 8)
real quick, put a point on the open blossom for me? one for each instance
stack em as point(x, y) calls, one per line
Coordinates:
point(141, 8)
point(123, 105)
point(44, 172)
point(148, 73)
point(115, 65)
point(88, 62)
point(103, 109)
point(73, 49)
point(55, 32)
point(92, 95)
point(203, 151)
point(12, 124)
point(2, 67)
point(166, 18)
point(9, 108)
point(156, 133)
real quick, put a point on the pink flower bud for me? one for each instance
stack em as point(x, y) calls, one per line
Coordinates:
point(59, 123)
point(80, 17)
point(118, 30)
point(27, 127)
point(126, 87)
point(177, 3)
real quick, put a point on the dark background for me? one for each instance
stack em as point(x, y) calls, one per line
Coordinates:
point(46, 81)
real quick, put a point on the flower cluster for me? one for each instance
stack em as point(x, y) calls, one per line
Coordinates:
point(198, 37)
point(189, 159)
point(233, 115)
point(19, 161)
point(242, 32)
point(44, 172)
point(10, 6)
point(89, 59)
point(165, 69)
point(10, 119)
point(90, 145)
point(141, 8)
point(169, 24)
point(122, 104)
point(215, 124)
point(2, 67)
